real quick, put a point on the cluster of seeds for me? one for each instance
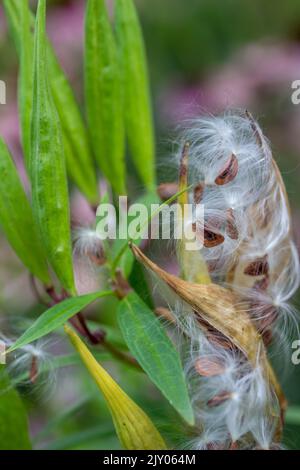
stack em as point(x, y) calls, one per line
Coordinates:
point(248, 249)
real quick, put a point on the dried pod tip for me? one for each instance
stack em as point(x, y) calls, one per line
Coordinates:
point(219, 399)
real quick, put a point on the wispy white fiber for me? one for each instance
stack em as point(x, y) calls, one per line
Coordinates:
point(245, 203)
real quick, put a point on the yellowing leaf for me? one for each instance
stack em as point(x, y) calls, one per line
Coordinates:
point(134, 428)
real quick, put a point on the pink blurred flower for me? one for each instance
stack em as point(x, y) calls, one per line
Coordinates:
point(65, 26)
point(257, 67)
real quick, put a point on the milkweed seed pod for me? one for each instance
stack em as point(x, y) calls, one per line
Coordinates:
point(229, 315)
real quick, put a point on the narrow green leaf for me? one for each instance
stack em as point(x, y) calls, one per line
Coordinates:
point(137, 106)
point(56, 316)
point(25, 84)
point(17, 220)
point(103, 95)
point(79, 160)
point(14, 433)
point(155, 352)
point(47, 166)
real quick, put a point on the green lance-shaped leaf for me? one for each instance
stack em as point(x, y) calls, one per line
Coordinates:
point(13, 17)
point(155, 352)
point(79, 161)
point(103, 95)
point(137, 106)
point(16, 218)
point(47, 166)
point(134, 428)
point(14, 433)
point(55, 317)
point(25, 84)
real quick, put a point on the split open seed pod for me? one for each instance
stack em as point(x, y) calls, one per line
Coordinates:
point(217, 307)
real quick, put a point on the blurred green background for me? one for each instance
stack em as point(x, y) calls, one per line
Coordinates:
point(204, 56)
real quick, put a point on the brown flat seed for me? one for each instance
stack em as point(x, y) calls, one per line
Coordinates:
point(258, 267)
point(209, 367)
point(219, 341)
point(33, 373)
point(98, 258)
point(228, 172)
point(165, 313)
point(198, 193)
point(167, 190)
point(214, 337)
point(212, 265)
point(231, 228)
point(219, 399)
point(212, 239)
point(209, 238)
